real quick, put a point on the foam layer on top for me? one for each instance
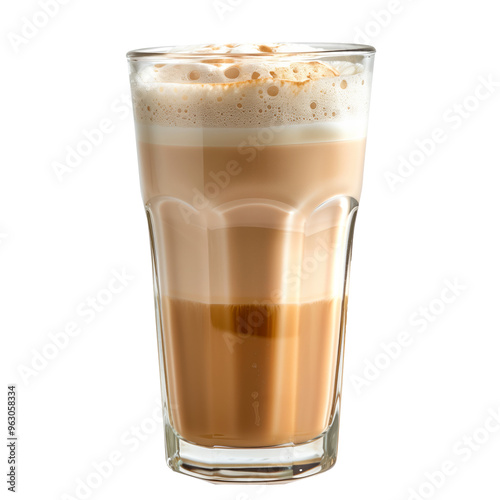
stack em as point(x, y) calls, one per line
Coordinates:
point(220, 89)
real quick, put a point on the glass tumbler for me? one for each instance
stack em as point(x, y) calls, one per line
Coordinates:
point(251, 163)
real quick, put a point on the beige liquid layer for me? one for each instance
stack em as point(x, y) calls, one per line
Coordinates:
point(236, 230)
point(253, 242)
point(247, 376)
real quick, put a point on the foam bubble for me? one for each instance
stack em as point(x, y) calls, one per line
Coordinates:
point(242, 92)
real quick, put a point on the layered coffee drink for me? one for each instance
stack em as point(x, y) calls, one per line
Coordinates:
point(251, 163)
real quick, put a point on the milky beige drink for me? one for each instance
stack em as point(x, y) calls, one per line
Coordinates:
point(251, 161)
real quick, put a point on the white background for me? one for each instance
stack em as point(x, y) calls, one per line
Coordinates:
point(61, 240)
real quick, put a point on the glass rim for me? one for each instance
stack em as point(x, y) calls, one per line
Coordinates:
point(321, 50)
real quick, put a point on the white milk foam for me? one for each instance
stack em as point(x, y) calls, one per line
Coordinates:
point(222, 98)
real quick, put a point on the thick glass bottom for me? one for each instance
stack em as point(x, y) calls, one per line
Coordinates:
point(254, 465)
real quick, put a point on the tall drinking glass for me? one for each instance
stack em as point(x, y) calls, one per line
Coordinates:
point(251, 163)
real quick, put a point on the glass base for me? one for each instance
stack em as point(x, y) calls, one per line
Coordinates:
point(253, 465)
